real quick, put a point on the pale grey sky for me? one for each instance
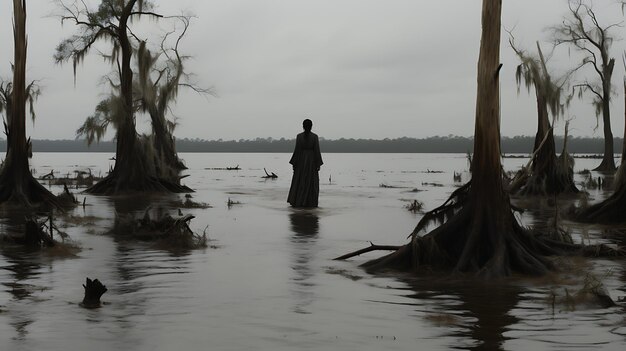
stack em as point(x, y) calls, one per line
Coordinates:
point(357, 68)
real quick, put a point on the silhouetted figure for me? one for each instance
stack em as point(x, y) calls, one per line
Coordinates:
point(306, 161)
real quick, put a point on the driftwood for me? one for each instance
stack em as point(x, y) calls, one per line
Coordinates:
point(268, 175)
point(372, 247)
point(38, 234)
point(48, 176)
point(236, 168)
point(415, 206)
point(230, 203)
point(94, 289)
point(167, 231)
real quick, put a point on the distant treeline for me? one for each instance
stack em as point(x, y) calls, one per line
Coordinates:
point(437, 144)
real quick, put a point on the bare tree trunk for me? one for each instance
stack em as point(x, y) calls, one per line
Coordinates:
point(19, 157)
point(545, 161)
point(624, 140)
point(17, 184)
point(608, 161)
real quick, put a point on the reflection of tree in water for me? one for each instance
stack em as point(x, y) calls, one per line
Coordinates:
point(480, 311)
point(305, 228)
point(135, 263)
point(22, 266)
point(134, 204)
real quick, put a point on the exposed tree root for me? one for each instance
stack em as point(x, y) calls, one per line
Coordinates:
point(557, 179)
point(167, 231)
point(609, 211)
point(607, 165)
point(486, 240)
point(371, 248)
point(28, 194)
point(38, 234)
point(545, 174)
point(114, 184)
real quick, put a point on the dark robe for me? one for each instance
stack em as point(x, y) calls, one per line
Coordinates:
point(306, 161)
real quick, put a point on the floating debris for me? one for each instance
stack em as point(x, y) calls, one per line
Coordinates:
point(270, 175)
point(414, 190)
point(432, 184)
point(383, 185)
point(236, 168)
point(231, 203)
point(189, 203)
point(415, 206)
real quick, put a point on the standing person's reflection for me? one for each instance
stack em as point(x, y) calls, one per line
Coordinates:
point(306, 161)
point(304, 225)
point(305, 228)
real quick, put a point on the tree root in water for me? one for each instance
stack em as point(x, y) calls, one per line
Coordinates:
point(486, 240)
point(114, 184)
point(167, 231)
point(40, 234)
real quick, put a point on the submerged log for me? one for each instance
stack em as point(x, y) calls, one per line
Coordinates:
point(94, 290)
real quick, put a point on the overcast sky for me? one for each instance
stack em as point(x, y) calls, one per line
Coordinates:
point(357, 68)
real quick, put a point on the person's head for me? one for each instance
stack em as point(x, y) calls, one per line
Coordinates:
point(307, 125)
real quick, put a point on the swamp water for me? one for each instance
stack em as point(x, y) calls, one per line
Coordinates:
point(268, 282)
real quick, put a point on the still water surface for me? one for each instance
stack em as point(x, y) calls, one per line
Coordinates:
point(269, 283)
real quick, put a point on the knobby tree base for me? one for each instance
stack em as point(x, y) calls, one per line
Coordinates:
point(545, 184)
point(164, 230)
point(115, 184)
point(482, 238)
point(609, 211)
point(607, 165)
point(551, 176)
point(27, 193)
